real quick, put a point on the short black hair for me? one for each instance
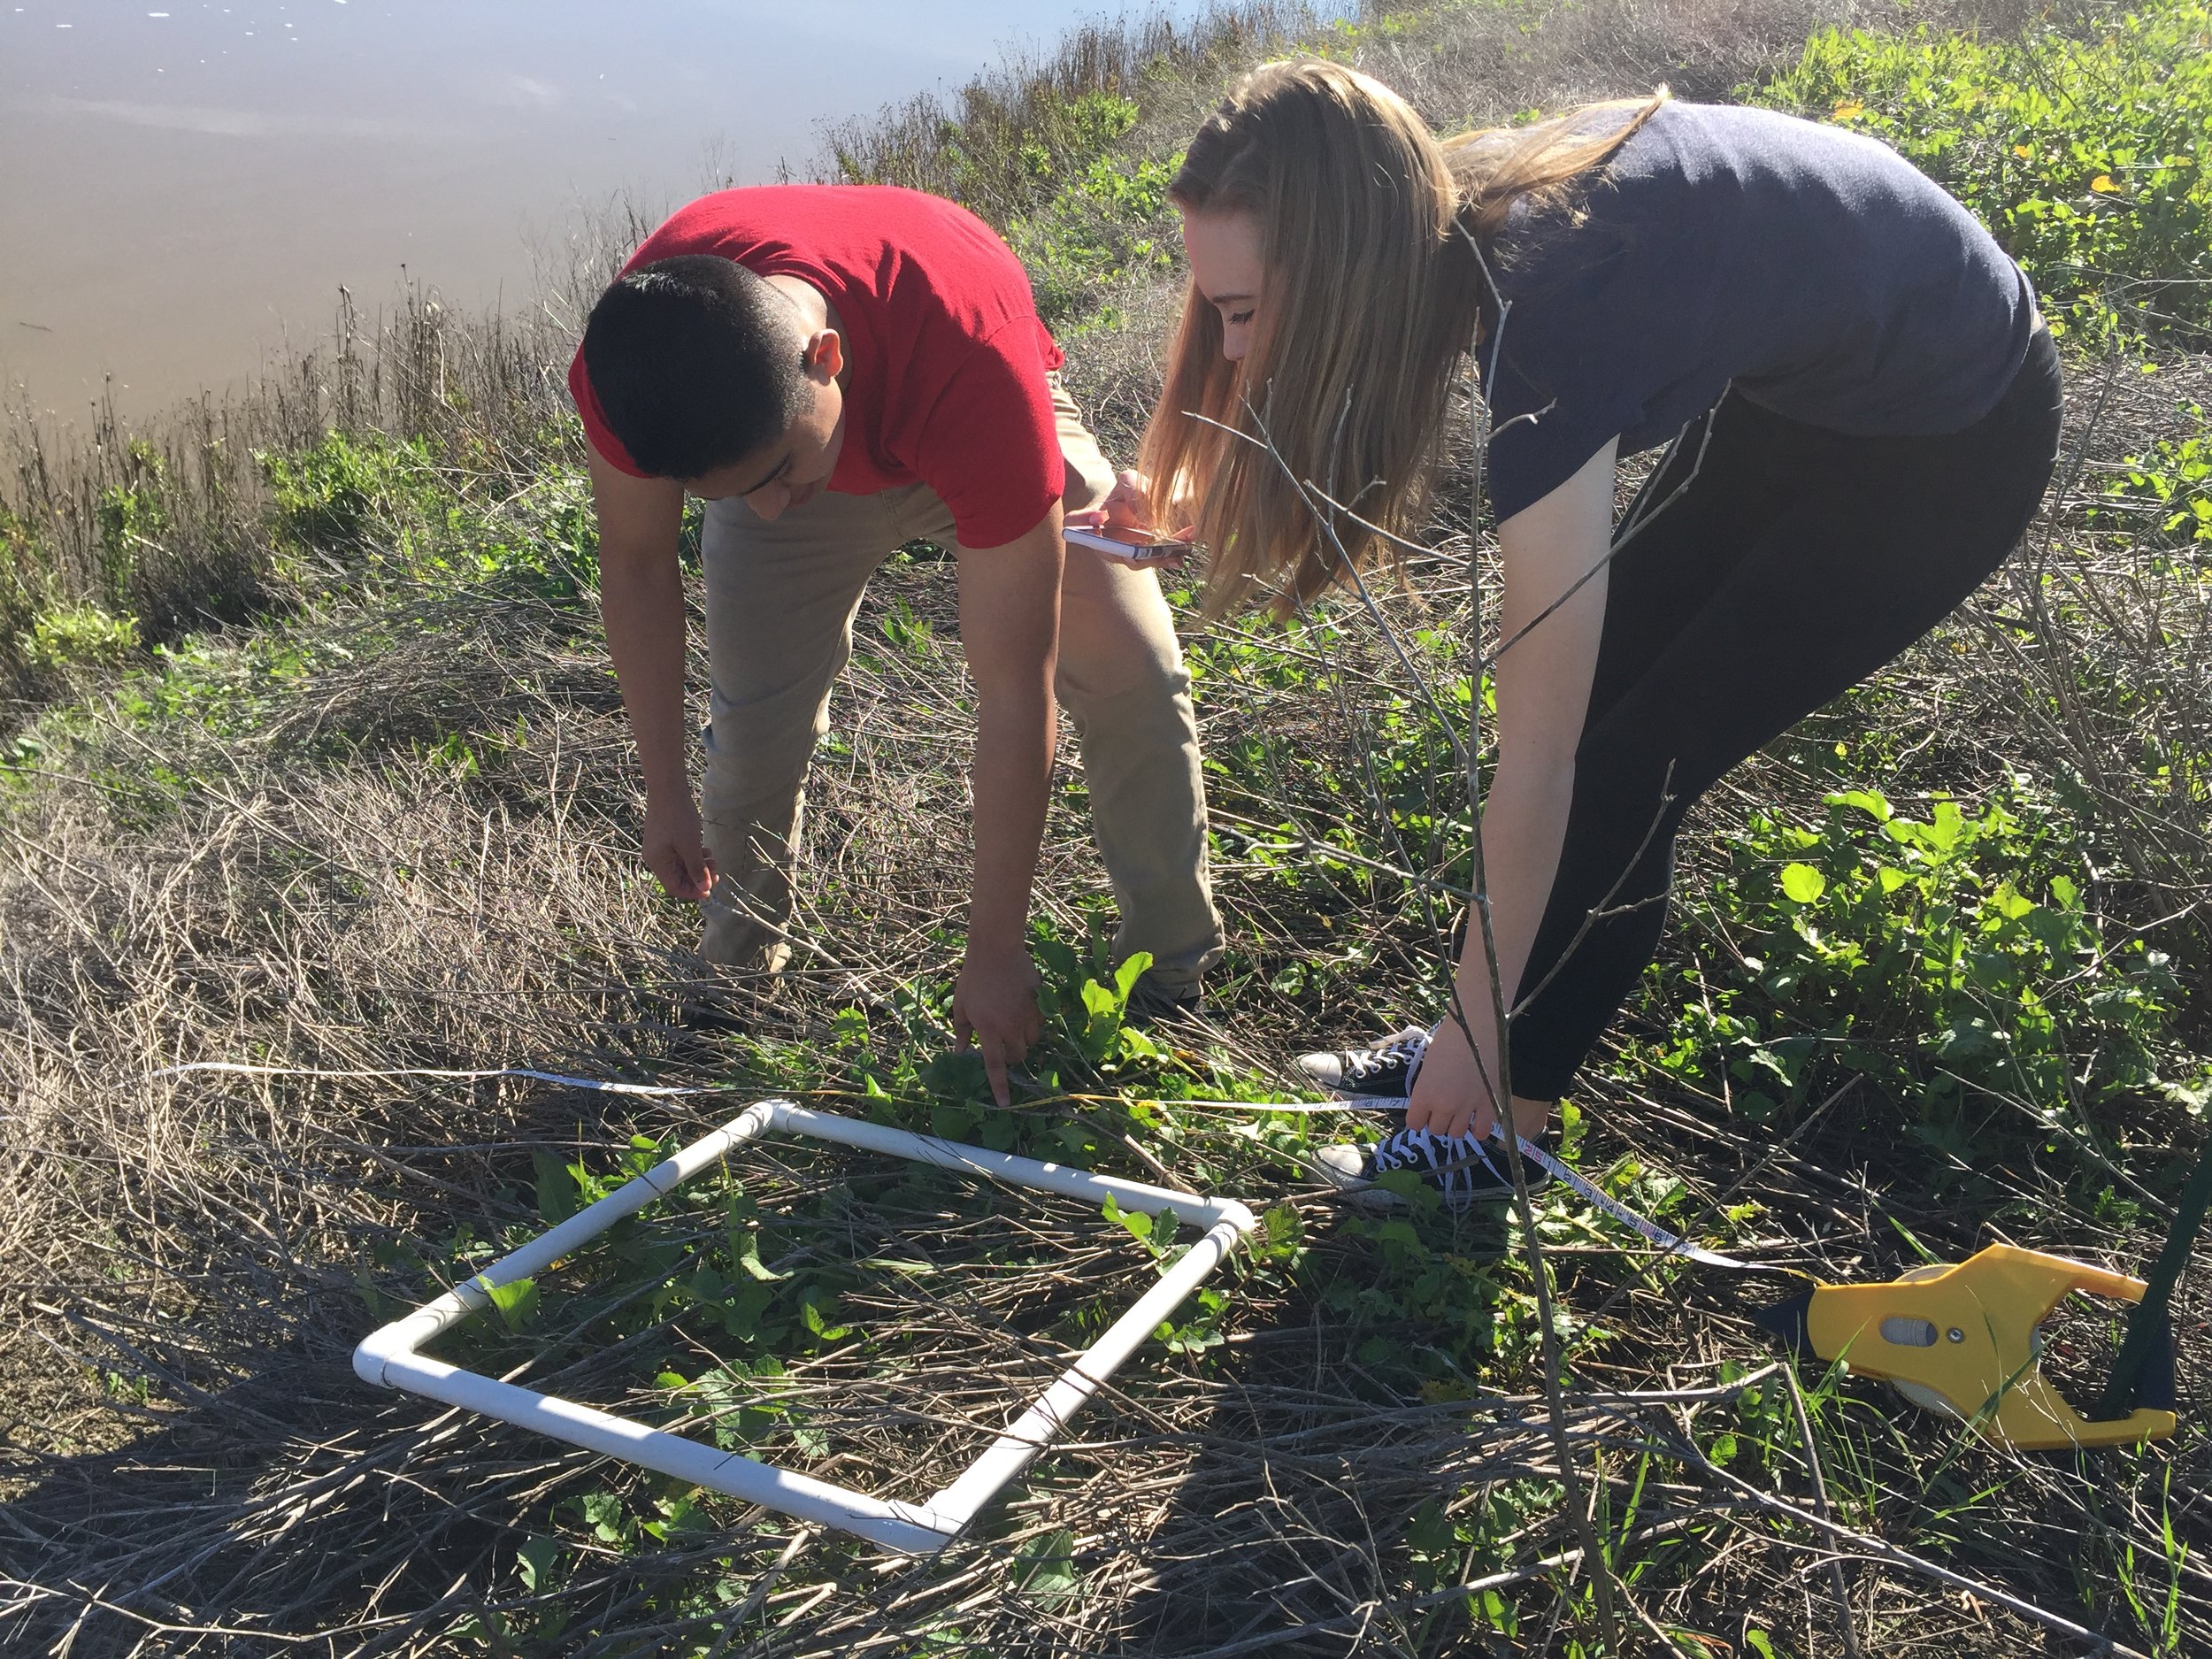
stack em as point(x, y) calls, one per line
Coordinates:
point(696, 363)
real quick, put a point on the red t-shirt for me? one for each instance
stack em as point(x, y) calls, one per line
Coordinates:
point(948, 358)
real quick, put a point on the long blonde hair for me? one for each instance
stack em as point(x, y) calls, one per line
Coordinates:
point(1372, 294)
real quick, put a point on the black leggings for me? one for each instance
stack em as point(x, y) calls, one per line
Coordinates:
point(1796, 563)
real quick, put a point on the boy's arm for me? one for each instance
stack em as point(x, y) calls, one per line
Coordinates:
point(1009, 622)
point(640, 598)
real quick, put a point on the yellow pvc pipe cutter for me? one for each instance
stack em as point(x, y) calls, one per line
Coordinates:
point(1963, 1340)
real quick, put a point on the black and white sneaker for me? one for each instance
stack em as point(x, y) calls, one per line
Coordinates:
point(1465, 1171)
point(1385, 1070)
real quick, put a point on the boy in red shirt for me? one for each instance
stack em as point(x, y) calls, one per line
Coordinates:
point(838, 370)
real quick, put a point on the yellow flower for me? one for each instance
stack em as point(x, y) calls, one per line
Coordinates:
point(2026, 153)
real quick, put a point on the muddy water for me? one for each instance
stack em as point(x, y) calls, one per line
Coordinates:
point(183, 187)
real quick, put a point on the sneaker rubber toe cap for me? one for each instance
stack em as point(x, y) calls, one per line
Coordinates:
point(1343, 1165)
point(1326, 1069)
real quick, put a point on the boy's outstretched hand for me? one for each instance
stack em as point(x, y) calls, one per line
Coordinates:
point(673, 849)
point(994, 1011)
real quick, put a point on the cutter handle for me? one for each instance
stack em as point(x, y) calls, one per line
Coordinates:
point(2039, 1433)
point(2103, 1282)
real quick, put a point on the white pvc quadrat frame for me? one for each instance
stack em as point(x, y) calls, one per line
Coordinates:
point(388, 1358)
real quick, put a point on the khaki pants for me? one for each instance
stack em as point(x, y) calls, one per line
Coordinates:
point(780, 601)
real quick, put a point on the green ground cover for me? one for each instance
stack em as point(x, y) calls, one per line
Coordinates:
point(2082, 149)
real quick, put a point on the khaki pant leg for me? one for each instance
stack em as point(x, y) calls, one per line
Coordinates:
point(779, 602)
point(1122, 680)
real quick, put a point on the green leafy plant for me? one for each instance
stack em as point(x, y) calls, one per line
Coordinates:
point(1942, 957)
point(129, 517)
point(76, 635)
point(1044, 1568)
point(2083, 151)
point(2174, 480)
point(330, 495)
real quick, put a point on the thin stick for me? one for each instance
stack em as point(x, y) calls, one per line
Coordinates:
point(1540, 1270)
point(1820, 1496)
point(1469, 751)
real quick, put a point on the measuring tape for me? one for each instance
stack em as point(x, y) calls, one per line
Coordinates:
point(1644, 1226)
point(1582, 1186)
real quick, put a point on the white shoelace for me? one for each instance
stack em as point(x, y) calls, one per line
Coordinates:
point(1360, 1063)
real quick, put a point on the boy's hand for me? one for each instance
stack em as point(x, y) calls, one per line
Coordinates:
point(994, 1010)
point(673, 850)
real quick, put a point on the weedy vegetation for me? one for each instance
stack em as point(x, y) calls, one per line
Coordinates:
point(314, 762)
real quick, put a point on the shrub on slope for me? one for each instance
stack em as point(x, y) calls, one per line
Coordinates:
point(2083, 149)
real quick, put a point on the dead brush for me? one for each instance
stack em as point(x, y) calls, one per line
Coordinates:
point(167, 523)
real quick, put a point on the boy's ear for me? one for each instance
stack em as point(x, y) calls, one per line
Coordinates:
point(824, 355)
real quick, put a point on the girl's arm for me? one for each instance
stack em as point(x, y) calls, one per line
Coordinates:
point(1543, 690)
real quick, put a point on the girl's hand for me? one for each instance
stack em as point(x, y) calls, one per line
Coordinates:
point(1128, 504)
point(1449, 1096)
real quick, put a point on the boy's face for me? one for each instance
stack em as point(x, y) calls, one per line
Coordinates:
point(796, 467)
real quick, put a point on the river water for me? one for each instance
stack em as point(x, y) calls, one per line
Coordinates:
point(183, 187)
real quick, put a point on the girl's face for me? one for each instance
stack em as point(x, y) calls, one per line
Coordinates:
point(1227, 269)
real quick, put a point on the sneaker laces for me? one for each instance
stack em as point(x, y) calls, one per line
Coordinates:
point(1457, 1161)
point(1362, 1063)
